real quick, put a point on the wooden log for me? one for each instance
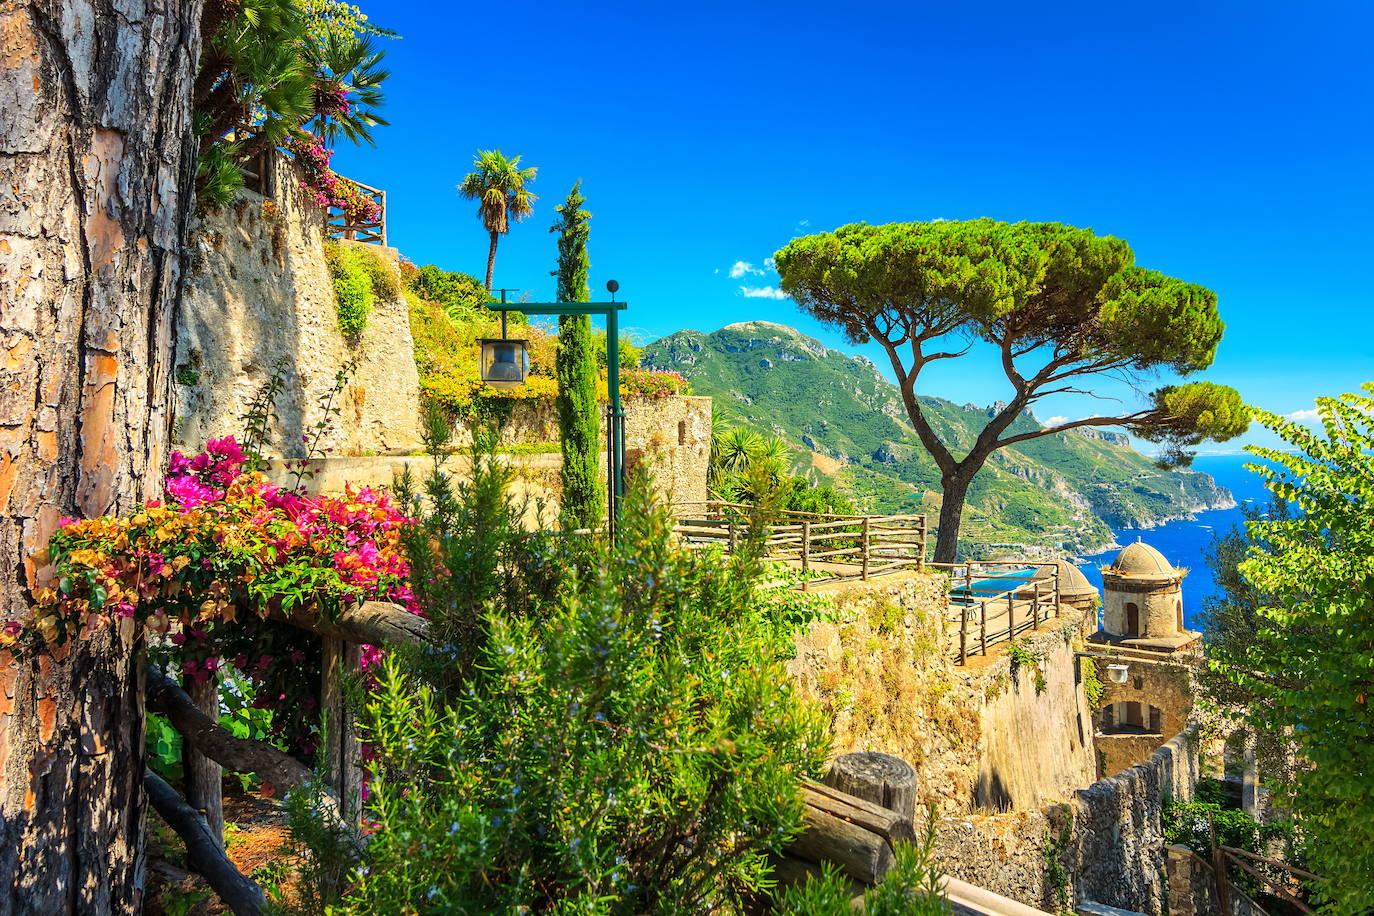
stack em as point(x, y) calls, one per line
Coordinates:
point(887, 781)
point(863, 855)
point(204, 776)
point(240, 755)
point(886, 823)
point(203, 853)
point(374, 623)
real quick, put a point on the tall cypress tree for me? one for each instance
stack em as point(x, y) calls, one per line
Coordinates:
point(576, 368)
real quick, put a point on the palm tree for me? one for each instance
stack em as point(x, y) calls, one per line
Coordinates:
point(498, 186)
point(345, 66)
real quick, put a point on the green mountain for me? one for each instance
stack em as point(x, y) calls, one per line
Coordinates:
point(1060, 492)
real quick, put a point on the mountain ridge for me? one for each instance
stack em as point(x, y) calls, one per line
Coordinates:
point(1060, 493)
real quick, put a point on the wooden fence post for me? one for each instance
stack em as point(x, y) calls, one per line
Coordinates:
point(963, 633)
point(341, 749)
point(806, 555)
point(205, 777)
point(983, 637)
point(1011, 616)
point(1035, 610)
point(865, 549)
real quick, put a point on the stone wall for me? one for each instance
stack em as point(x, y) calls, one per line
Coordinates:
point(1107, 840)
point(981, 736)
point(1152, 679)
point(670, 436)
point(258, 292)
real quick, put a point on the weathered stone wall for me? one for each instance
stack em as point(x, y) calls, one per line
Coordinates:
point(1152, 679)
point(1107, 839)
point(259, 291)
point(672, 436)
point(981, 736)
point(1193, 890)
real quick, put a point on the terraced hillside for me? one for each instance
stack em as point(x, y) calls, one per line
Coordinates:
point(1061, 492)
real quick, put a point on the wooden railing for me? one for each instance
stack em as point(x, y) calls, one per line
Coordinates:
point(338, 227)
point(257, 172)
point(989, 612)
point(822, 546)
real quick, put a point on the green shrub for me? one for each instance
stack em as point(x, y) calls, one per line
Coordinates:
point(353, 291)
point(589, 706)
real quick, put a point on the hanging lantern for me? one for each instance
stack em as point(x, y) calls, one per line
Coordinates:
point(505, 362)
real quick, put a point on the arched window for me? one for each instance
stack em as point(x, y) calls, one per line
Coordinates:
point(1156, 720)
point(1180, 615)
point(1133, 716)
point(681, 432)
point(1132, 619)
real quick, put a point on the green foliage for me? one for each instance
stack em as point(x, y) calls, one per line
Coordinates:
point(1058, 302)
point(1093, 688)
point(1192, 414)
point(163, 744)
point(579, 429)
point(460, 295)
point(631, 353)
point(218, 176)
point(586, 707)
point(1192, 824)
point(746, 467)
point(1310, 665)
point(911, 888)
point(361, 277)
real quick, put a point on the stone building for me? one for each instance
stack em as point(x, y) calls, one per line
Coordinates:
point(1145, 657)
point(1143, 601)
point(1075, 590)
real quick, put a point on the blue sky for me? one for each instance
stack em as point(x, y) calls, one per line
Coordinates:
point(1228, 142)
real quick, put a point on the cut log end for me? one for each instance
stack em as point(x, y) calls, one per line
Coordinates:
point(884, 780)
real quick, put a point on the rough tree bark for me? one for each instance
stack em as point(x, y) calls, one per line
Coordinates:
point(96, 167)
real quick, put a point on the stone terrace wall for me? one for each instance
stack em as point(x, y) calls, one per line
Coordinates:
point(1113, 850)
point(980, 736)
point(671, 436)
point(259, 290)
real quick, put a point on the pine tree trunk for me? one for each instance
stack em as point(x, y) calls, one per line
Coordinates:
point(491, 258)
point(96, 167)
point(955, 486)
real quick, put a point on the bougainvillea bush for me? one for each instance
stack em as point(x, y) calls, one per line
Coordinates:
point(211, 561)
point(327, 189)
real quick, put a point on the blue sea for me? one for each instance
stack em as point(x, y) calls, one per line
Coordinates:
point(1185, 543)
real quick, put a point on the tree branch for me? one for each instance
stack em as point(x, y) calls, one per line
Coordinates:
point(374, 623)
point(203, 853)
point(1090, 421)
point(241, 755)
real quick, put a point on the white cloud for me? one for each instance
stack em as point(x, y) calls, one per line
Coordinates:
point(761, 292)
point(1055, 421)
point(770, 264)
point(742, 269)
point(1304, 416)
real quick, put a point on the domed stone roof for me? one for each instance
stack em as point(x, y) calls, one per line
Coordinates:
point(1140, 559)
point(1072, 582)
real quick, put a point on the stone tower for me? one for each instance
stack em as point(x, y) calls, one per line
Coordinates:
point(1142, 597)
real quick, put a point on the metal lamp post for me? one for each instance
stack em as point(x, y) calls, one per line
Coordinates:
point(504, 359)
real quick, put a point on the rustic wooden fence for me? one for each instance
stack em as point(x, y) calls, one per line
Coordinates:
point(337, 225)
point(823, 546)
point(997, 600)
